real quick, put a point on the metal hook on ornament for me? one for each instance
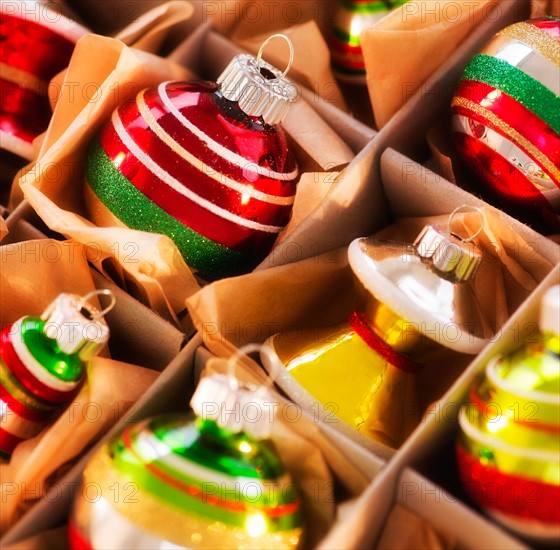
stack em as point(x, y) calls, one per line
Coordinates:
point(234, 359)
point(290, 61)
point(97, 314)
point(461, 209)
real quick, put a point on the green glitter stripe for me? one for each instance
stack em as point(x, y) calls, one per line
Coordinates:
point(219, 450)
point(514, 82)
point(553, 17)
point(368, 7)
point(352, 39)
point(137, 211)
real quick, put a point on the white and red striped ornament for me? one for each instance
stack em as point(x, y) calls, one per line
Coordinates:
point(37, 43)
point(506, 121)
point(353, 17)
point(205, 163)
point(42, 362)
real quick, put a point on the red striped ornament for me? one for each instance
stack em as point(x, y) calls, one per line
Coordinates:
point(344, 39)
point(506, 121)
point(37, 43)
point(214, 175)
point(42, 363)
point(508, 452)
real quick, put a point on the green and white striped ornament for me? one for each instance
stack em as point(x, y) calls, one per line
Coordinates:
point(213, 480)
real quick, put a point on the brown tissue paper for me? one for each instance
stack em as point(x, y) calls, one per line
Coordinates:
point(151, 28)
point(308, 455)
point(545, 7)
point(404, 530)
point(33, 274)
point(3, 228)
point(404, 48)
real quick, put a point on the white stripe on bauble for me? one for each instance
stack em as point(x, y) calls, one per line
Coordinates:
point(153, 448)
point(14, 424)
point(219, 149)
point(242, 188)
point(177, 186)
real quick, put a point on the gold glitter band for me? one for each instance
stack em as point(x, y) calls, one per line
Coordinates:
point(536, 38)
point(238, 186)
point(167, 521)
point(23, 78)
point(15, 390)
point(508, 130)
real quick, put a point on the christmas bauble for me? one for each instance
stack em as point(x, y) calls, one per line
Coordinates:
point(363, 370)
point(506, 121)
point(42, 363)
point(37, 43)
point(507, 451)
point(344, 41)
point(187, 481)
point(205, 163)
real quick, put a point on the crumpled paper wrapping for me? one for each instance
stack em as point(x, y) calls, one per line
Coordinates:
point(103, 74)
point(249, 22)
point(148, 31)
point(3, 228)
point(545, 7)
point(405, 530)
point(319, 292)
point(404, 48)
point(308, 455)
point(33, 274)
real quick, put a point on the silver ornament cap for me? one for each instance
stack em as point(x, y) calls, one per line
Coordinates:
point(77, 325)
point(452, 258)
point(259, 88)
point(236, 408)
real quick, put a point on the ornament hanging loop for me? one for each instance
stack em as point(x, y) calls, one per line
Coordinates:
point(234, 359)
point(290, 61)
point(101, 292)
point(464, 209)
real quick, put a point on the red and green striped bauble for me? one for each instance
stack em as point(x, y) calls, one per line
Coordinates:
point(344, 41)
point(183, 161)
point(185, 482)
point(506, 120)
point(36, 378)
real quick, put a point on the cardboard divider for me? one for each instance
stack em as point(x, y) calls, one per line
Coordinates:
point(138, 335)
point(23, 223)
point(442, 513)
